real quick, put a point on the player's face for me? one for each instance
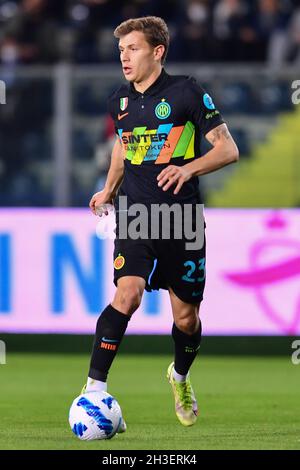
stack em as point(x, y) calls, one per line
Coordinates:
point(137, 56)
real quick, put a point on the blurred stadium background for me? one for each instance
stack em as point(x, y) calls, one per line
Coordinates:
point(59, 62)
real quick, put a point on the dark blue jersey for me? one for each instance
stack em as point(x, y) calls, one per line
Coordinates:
point(162, 126)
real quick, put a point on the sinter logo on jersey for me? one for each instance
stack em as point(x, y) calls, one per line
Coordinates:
point(123, 103)
point(163, 110)
point(158, 145)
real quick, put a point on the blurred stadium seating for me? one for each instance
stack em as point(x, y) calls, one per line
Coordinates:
point(251, 102)
point(245, 53)
point(271, 177)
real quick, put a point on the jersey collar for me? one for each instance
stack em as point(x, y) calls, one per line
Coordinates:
point(153, 89)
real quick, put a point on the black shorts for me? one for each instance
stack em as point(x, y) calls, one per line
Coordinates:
point(163, 264)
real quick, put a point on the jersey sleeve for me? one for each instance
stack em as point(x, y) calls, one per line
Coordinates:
point(111, 108)
point(201, 110)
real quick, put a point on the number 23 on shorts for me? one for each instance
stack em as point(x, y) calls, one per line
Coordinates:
point(201, 269)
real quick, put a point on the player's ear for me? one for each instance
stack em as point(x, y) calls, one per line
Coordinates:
point(159, 52)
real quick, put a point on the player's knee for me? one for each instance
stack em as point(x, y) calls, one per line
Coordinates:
point(128, 298)
point(188, 323)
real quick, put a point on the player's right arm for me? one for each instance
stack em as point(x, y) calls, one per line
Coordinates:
point(113, 180)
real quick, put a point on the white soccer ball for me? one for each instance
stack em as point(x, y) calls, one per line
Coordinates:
point(95, 415)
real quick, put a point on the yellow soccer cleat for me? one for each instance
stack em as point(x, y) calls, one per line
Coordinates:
point(186, 407)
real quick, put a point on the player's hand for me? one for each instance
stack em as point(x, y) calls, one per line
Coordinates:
point(100, 202)
point(171, 175)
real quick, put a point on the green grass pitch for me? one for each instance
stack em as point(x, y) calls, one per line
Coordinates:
point(244, 403)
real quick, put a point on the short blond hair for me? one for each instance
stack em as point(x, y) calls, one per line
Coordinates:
point(155, 30)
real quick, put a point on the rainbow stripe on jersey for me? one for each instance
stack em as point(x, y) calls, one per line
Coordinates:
point(158, 145)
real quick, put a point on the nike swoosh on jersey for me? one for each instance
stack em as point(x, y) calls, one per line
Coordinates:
point(121, 116)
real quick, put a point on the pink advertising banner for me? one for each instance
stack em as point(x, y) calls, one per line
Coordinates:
point(56, 273)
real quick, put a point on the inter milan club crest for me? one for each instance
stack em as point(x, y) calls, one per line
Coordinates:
point(163, 109)
point(123, 103)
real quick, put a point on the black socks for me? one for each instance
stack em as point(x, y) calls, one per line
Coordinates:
point(111, 327)
point(186, 348)
point(110, 330)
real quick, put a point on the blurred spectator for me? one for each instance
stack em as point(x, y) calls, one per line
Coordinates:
point(196, 31)
point(29, 36)
point(81, 31)
point(229, 19)
point(293, 52)
point(271, 21)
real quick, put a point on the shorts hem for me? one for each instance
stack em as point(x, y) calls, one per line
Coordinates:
point(187, 299)
point(145, 277)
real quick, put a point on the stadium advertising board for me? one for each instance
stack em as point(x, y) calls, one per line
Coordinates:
point(56, 274)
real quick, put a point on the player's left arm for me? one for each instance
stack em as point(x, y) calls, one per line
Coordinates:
point(223, 153)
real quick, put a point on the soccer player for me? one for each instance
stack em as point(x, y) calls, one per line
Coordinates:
point(159, 120)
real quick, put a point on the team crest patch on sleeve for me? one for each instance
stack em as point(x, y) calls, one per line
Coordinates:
point(123, 103)
point(119, 262)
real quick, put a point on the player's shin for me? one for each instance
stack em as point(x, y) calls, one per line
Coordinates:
point(186, 349)
point(111, 327)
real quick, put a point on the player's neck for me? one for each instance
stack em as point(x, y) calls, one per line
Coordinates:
point(143, 85)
